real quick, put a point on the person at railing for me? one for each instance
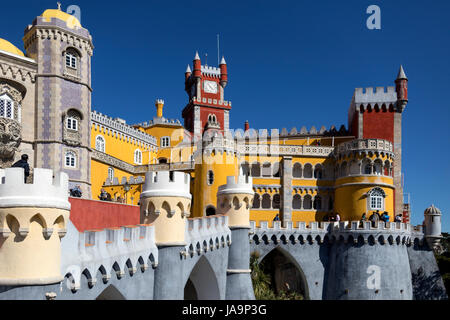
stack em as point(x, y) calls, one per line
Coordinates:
point(23, 163)
point(385, 217)
point(398, 218)
point(76, 192)
point(337, 217)
point(277, 217)
point(374, 218)
point(363, 219)
point(103, 195)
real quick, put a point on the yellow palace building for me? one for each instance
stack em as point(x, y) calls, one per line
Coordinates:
point(301, 175)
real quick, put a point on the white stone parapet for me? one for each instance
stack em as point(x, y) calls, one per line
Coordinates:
point(211, 71)
point(117, 126)
point(48, 190)
point(379, 96)
point(206, 234)
point(379, 145)
point(239, 184)
point(121, 250)
point(166, 184)
point(391, 232)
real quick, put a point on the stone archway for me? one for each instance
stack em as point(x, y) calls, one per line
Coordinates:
point(285, 272)
point(202, 282)
point(110, 293)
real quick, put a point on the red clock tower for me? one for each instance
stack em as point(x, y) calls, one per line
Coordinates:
point(206, 108)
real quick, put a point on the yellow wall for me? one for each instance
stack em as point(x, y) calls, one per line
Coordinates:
point(222, 165)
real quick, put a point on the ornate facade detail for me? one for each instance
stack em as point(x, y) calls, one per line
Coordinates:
point(17, 73)
point(72, 137)
point(112, 161)
point(57, 33)
point(10, 139)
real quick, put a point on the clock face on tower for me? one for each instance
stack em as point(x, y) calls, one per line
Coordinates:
point(210, 86)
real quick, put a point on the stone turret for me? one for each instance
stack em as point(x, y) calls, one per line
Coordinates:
point(234, 199)
point(166, 202)
point(432, 227)
point(33, 219)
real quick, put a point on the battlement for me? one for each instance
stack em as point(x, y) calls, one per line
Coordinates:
point(220, 103)
point(206, 234)
point(240, 184)
point(381, 95)
point(48, 190)
point(119, 127)
point(122, 250)
point(166, 184)
point(346, 231)
point(211, 71)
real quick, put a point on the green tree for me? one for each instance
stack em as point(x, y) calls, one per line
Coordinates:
point(262, 283)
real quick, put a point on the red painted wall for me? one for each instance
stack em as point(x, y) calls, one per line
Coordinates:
point(205, 112)
point(92, 214)
point(378, 125)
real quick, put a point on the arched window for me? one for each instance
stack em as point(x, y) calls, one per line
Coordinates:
point(307, 202)
point(276, 201)
point(266, 201)
point(71, 159)
point(100, 143)
point(138, 156)
point(256, 169)
point(210, 178)
point(111, 174)
point(317, 203)
point(343, 170)
point(276, 169)
point(266, 170)
point(376, 199)
point(165, 142)
point(245, 168)
point(366, 166)
point(72, 58)
point(307, 171)
point(377, 167)
point(297, 170)
point(318, 171)
point(6, 107)
point(354, 168)
point(297, 202)
point(210, 210)
point(387, 168)
point(256, 201)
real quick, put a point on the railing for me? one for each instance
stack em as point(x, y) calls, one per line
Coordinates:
point(365, 144)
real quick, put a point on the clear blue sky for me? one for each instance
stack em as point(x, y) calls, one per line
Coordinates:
point(290, 63)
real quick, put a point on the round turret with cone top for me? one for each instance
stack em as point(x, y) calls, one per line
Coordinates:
point(197, 66)
point(223, 73)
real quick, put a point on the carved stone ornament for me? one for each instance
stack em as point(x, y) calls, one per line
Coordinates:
point(10, 139)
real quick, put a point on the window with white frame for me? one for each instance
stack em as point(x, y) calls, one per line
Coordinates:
point(111, 174)
point(6, 107)
point(100, 143)
point(71, 159)
point(376, 199)
point(71, 60)
point(138, 156)
point(165, 142)
point(72, 123)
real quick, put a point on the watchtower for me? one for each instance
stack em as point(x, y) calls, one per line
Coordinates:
point(33, 219)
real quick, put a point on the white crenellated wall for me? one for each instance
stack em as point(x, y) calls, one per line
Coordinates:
point(166, 183)
point(210, 230)
point(48, 190)
point(105, 250)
